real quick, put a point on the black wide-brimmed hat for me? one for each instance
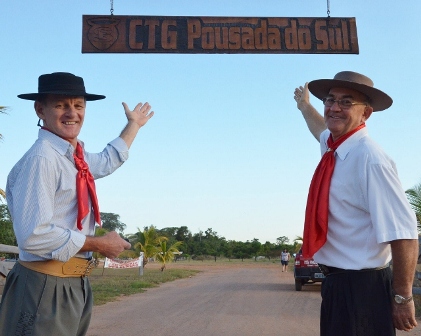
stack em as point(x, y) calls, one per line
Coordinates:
point(379, 100)
point(61, 83)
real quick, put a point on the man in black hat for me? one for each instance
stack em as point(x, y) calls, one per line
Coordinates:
point(52, 200)
point(357, 217)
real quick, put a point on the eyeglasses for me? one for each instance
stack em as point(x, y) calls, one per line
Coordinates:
point(343, 103)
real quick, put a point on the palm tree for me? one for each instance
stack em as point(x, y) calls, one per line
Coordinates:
point(166, 254)
point(147, 241)
point(2, 193)
point(3, 109)
point(414, 198)
point(298, 242)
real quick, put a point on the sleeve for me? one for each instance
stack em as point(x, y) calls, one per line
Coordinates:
point(34, 191)
point(112, 157)
point(391, 214)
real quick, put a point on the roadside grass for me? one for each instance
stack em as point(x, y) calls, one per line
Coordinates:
point(110, 284)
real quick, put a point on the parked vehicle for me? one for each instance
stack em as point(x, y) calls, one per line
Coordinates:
point(306, 270)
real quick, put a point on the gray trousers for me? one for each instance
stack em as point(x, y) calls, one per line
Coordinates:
point(36, 304)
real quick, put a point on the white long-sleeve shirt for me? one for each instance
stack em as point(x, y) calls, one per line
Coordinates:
point(41, 196)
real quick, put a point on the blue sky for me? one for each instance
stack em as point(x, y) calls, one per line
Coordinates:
point(227, 149)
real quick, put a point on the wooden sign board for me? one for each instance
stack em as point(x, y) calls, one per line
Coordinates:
point(218, 35)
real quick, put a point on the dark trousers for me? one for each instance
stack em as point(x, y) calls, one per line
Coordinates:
point(35, 304)
point(357, 304)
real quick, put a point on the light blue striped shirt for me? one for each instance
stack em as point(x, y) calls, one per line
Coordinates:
point(41, 196)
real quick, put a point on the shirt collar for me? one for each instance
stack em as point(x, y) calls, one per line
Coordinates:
point(60, 145)
point(343, 150)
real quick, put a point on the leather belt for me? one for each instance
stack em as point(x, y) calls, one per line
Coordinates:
point(329, 270)
point(73, 268)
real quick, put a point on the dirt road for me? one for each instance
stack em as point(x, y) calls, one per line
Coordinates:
point(228, 301)
point(218, 301)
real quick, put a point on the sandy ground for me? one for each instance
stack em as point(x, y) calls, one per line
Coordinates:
point(222, 300)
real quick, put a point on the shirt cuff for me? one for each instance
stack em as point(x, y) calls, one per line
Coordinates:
point(76, 242)
point(121, 147)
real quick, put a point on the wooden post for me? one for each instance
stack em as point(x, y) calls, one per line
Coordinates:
point(141, 264)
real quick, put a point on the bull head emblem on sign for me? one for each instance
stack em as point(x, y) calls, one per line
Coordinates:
point(103, 32)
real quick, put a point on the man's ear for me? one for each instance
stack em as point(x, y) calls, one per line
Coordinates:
point(368, 110)
point(39, 109)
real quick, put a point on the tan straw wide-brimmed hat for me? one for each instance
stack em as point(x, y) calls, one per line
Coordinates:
point(379, 100)
point(61, 83)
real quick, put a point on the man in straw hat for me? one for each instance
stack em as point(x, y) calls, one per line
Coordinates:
point(52, 200)
point(357, 216)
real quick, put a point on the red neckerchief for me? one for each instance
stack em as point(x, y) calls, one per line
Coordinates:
point(85, 187)
point(316, 219)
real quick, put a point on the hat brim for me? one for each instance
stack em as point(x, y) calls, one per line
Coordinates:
point(88, 96)
point(379, 100)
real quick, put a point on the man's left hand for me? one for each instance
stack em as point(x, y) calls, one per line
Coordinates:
point(140, 115)
point(404, 316)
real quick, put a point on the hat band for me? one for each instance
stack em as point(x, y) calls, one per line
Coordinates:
point(61, 87)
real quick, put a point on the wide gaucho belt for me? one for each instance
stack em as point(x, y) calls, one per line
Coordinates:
point(73, 268)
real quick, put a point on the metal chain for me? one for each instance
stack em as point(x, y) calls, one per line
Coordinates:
point(112, 7)
point(328, 8)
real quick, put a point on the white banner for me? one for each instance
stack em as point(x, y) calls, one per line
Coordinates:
point(119, 263)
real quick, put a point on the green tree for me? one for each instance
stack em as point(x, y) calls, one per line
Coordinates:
point(266, 249)
point(213, 245)
point(147, 241)
point(229, 249)
point(414, 198)
point(111, 222)
point(255, 247)
point(242, 250)
point(282, 240)
point(183, 234)
point(196, 245)
point(128, 254)
point(2, 193)
point(7, 235)
point(165, 254)
point(298, 242)
point(169, 232)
